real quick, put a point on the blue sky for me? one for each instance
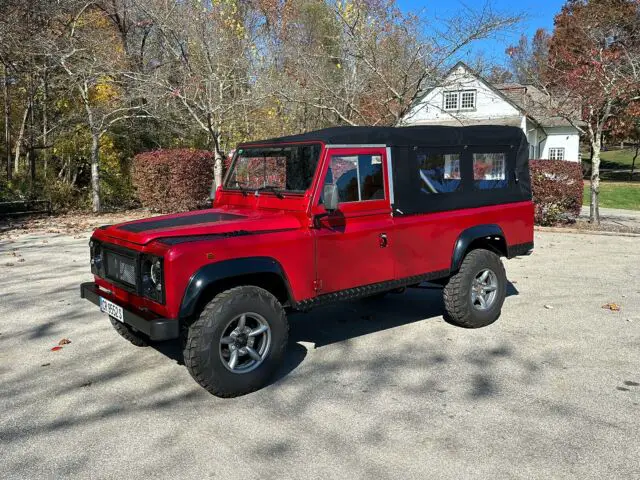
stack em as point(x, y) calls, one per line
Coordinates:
point(537, 14)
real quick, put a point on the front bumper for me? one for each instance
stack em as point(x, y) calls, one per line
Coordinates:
point(156, 328)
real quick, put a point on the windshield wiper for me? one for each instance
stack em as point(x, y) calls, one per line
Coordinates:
point(244, 191)
point(271, 188)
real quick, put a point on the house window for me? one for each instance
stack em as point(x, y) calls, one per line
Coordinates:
point(468, 100)
point(556, 154)
point(462, 100)
point(451, 100)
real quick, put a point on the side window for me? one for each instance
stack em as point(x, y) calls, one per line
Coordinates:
point(489, 170)
point(358, 177)
point(439, 172)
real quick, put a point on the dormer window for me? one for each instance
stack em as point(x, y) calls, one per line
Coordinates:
point(460, 100)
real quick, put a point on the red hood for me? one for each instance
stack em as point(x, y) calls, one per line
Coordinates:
point(202, 222)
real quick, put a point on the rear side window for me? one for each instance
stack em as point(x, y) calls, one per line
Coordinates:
point(439, 172)
point(489, 170)
point(358, 177)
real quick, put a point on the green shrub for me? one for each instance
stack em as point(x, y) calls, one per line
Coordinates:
point(64, 196)
point(173, 180)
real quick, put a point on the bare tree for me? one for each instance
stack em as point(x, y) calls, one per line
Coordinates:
point(205, 65)
point(97, 72)
point(376, 60)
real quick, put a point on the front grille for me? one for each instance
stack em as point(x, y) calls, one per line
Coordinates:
point(120, 268)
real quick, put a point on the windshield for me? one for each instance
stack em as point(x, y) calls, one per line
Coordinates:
point(286, 169)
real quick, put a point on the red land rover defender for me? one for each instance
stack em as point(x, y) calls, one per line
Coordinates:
point(300, 221)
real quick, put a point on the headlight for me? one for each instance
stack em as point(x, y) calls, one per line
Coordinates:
point(152, 277)
point(95, 257)
point(156, 274)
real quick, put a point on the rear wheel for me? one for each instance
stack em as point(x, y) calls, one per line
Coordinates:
point(238, 341)
point(474, 296)
point(125, 331)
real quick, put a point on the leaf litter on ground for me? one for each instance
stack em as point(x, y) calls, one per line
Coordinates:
point(614, 307)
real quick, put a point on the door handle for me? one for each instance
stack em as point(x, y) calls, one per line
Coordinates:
point(382, 238)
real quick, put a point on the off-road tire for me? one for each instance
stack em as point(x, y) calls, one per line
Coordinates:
point(457, 292)
point(201, 352)
point(126, 332)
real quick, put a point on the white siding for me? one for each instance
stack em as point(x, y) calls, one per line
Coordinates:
point(562, 137)
point(491, 106)
point(488, 103)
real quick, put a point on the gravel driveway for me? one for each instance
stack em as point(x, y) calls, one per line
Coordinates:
point(370, 389)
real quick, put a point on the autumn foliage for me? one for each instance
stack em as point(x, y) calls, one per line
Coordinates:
point(173, 180)
point(557, 190)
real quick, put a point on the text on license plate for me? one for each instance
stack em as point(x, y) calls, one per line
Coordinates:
point(111, 309)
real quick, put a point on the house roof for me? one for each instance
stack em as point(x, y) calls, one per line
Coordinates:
point(511, 121)
point(537, 104)
point(527, 99)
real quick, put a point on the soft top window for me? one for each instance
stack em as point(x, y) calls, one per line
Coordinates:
point(436, 179)
point(285, 168)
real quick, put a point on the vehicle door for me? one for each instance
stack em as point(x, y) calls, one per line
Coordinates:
point(353, 243)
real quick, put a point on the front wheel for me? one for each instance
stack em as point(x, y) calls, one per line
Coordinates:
point(126, 332)
point(238, 341)
point(473, 297)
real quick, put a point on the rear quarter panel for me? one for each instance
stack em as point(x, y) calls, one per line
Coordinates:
point(425, 243)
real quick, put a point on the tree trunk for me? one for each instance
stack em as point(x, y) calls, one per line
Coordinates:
point(594, 213)
point(633, 162)
point(20, 138)
point(32, 155)
point(95, 172)
point(45, 121)
point(218, 158)
point(7, 121)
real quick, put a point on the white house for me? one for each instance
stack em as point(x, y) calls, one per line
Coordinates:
point(464, 98)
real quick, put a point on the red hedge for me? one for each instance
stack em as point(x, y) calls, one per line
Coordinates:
point(557, 187)
point(173, 180)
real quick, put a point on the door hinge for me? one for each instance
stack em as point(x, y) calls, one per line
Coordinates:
point(317, 285)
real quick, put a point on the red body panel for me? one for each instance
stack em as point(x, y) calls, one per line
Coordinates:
point(339, 252)
point(425, 243)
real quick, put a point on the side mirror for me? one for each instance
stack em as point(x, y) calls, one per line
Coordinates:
point(330, 195)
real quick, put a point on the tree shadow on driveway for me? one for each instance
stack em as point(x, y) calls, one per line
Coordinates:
point(345, 321)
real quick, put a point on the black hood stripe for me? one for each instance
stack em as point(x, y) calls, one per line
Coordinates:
point(216, 236)
point(144, 226)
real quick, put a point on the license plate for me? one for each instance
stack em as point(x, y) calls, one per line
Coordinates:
point(111, 309)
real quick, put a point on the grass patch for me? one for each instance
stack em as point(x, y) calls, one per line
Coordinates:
point(615, 195)
point(614, 159)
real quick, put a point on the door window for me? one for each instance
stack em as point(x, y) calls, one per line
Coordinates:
point(358, 177)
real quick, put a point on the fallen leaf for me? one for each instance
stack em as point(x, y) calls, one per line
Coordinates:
point(614, 307)
point(45, 364)
point(64, 341)
point(549, 307)
point(8, 264)
point(21, 260)
point(55, 349)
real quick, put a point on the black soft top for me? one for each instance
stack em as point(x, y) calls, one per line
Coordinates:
point(425, 136)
